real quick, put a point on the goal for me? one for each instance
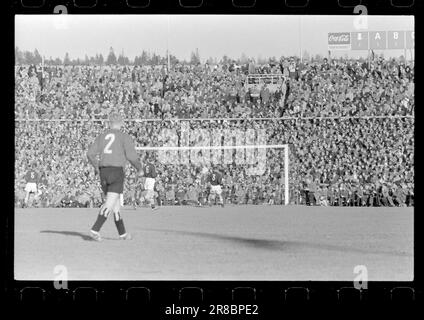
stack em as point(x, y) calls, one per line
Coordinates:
point(256, 159)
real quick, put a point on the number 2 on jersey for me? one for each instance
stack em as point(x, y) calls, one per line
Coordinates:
point(110, 136)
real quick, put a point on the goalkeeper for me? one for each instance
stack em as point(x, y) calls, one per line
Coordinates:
point(149, 172)
point(215, 181)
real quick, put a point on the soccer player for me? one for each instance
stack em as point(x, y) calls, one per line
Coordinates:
point(31, 178)
point(215, 181)
point(149, 183)
point(114, 148)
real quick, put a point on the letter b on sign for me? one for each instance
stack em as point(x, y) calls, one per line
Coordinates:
point(395, 39)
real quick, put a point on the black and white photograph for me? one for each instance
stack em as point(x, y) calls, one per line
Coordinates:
point(214, 147)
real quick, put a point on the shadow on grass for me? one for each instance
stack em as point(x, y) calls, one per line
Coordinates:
point(81, 235)
point(283, 245)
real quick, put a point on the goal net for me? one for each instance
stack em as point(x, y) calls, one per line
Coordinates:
point(260, 166)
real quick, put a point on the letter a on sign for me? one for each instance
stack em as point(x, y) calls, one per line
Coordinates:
point(378, 39)
point(395, 39)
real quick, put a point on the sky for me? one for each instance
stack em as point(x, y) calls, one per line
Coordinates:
point(213, 35)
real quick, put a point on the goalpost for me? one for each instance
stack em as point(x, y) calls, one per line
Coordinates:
point(285, 147)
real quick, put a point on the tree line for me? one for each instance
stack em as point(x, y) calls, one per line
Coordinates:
point(145, 58)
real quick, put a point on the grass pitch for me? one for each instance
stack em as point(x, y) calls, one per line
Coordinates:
point(213, 243)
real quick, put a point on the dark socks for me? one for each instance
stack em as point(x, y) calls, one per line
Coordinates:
point(120, 226)
point(119, 223)
point(99, 223)
point(101, 218)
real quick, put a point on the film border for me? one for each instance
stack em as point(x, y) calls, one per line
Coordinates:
point(271, 295)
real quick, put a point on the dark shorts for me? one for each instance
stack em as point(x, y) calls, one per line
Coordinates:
point(112, 179)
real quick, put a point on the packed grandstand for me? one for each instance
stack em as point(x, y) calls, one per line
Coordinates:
point(349, 125)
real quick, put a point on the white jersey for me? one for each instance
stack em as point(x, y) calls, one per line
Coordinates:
point(149, 184)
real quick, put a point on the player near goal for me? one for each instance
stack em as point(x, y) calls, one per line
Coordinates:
point(31, 187)
point(215, 182)
point(114, 148)
point(150, 175)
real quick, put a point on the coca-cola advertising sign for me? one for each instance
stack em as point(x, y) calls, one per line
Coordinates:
point(339, 41)
point(371, 40)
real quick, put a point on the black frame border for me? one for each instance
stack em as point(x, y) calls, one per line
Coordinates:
point(270, 295)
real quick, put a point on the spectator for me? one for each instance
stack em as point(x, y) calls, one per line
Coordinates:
point(375, 141)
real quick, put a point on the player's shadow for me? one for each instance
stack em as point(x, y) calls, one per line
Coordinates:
point(83, 236)
point(280, 245)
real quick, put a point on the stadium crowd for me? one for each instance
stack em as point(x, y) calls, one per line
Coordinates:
point(350, 130)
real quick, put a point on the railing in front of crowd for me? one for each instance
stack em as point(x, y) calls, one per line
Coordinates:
point(218, 119)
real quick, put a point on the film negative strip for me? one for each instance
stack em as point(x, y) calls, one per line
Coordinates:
point(274, 149)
